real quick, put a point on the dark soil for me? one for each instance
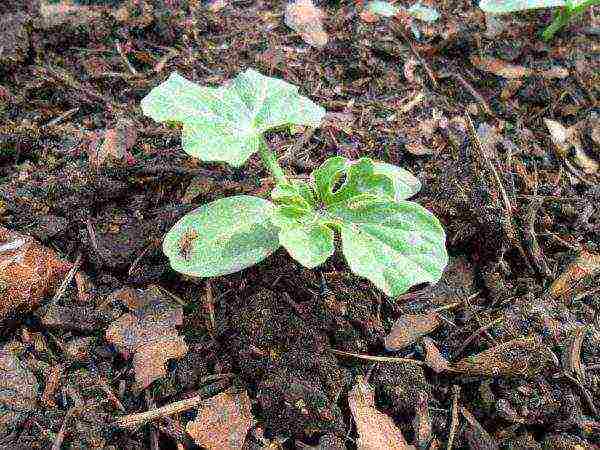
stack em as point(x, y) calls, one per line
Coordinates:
point(518, 213)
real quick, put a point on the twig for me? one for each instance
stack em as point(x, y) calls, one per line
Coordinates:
point(531, 242)
point(454, 422)
point(586, 395)
point(458, 77)
point(377, 358)
point(66, 281)
point(138, 419)
point(507, 225)
point(61, 118)
point(428, 70)
point(60, 436)
point(126, 60)
point(474, 335)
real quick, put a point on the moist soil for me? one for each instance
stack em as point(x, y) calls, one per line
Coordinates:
point(461, 103)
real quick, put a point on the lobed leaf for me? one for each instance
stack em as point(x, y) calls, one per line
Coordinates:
point(363, 176)
point(226, 123)
point(222, 237)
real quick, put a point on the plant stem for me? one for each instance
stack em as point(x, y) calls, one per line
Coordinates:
point(270, 161)
point(560, 20)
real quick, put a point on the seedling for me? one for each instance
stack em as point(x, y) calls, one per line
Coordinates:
point(385, 238)
point(388, 9)
point(568, 10)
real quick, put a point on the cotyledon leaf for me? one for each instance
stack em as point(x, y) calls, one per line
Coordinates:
point(222, 237)
point(227, 123)
point(508, 6)
point(395, 245)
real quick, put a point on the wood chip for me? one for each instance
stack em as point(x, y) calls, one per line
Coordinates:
point(305, 18)
point(433, 357)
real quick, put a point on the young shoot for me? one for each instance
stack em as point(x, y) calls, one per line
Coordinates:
point(393, 242)
point(568, 10)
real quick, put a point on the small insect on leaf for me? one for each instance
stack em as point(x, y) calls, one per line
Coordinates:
point(186, 243)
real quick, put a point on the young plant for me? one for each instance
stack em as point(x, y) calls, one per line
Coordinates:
point(388, 9)
point(569, 9)
point(392, 242)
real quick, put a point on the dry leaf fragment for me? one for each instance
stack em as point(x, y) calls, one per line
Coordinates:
point(54, 13)
point(222, 422)
point(524, 357)
point(149, 335)
point(586, 265)
point(567, 138)
point(115, 146)
point(433, 357)
point(500, 67)
point(555, 72)
point(409, 328)
point(306, 19)
point(572, 357)
point(562, 137)
point(376, 431)
point(28, 271)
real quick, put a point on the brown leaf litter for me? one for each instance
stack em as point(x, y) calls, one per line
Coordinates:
point(222, 421)
point(409, 328)
point(524, 357)
point(115, 145)
point(28, 271)
point(586, 265)
point(148, 334)
point(306, 19)
point(376, 430)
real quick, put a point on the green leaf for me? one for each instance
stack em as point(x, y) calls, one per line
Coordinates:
point(327, 175)
point(418, 11)
point(424, 13)
point(382, 8)
point(405, 183)
point(294, 193)
point(508, 6)
point(393, 244)
point(309, 245)
point(303, 232)
point(227, 123)
point(363, 176)
point(390, 241)
point(362, 179)
point(222, 237)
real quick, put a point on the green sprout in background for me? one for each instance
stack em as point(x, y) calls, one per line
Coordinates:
point(393, 242)
point(568, 10)
point(388, 9)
